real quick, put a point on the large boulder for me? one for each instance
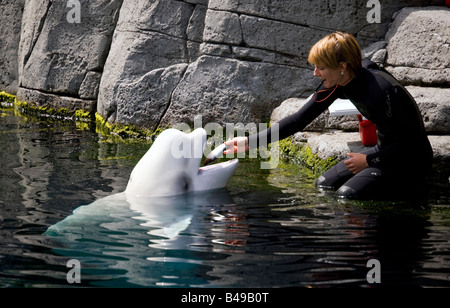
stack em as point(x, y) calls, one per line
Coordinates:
point(434, 105)
point(156, 39)
point(322, 123)
point(228, 90)
point(419, 46)
point(10, 28)
point(416, 51)
point(144, 102)
point(58, 55)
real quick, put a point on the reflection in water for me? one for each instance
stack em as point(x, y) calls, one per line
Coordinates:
point(126, 232)
point(268, 228)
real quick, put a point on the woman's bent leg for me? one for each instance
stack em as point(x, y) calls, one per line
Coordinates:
point(334, 177)
point(367, 184)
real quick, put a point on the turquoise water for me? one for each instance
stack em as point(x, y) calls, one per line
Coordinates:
point(268, 228)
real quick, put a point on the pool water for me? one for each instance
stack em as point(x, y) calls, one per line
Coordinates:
point(268, 228)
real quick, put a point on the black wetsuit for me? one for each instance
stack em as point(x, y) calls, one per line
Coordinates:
point(403, 155)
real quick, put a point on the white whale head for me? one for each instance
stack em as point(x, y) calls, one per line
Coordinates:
point(172, 167)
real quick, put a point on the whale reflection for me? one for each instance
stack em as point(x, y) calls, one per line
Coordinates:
point(162, 217)
point(134, 236)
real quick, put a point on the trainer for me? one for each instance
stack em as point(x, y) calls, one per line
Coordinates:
point(400, 161)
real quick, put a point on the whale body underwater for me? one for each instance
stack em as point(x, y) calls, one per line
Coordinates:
point(162, 182)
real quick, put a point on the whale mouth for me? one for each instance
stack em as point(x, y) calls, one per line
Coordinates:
point(217, 166)
point(215, 175)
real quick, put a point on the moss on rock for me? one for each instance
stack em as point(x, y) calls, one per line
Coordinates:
point(302, 154)
point(29, 110)
point(83, 119)
point(123, 131)
point(7, 100)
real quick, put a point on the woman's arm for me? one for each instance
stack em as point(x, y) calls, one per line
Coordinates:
point(286, 127)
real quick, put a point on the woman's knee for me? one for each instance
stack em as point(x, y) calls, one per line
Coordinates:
point(347, 192)
point(365, 184)
point(334, 177)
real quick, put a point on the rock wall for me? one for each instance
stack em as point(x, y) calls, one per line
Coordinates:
point(158, 62)
point(10, 28)
point(60, 62)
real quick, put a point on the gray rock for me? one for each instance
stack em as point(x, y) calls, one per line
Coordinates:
point(322, 123)
point(196, 24)
point(441, 146)
point(89, 86)
point(144, 102)
point(222, 27)
point(434, 104)
point(291, 106)
point(421, 76)
point(169, 17)
point(10, 28)
point(156, 40)
point(228, 90)
point(335, 144)
point(216, 50)
point(53, 101)
point(419, 45)
point(195, 30)
point(132, 56)
point(264, 34)
point(55, 55)
point(379, 57)
point(371, 50)
point(441, 153)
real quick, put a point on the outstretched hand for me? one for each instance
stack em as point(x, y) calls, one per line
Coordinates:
point(236, 145)
point(356, 163)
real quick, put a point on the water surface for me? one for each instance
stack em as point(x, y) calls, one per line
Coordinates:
point(269, 228)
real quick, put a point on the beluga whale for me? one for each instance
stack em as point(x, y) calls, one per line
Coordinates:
point(172, 167)
point(162, 191)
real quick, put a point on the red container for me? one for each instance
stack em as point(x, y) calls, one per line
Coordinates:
point(367, 131)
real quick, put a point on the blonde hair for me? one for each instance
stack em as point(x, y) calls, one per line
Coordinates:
point(336, 48)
